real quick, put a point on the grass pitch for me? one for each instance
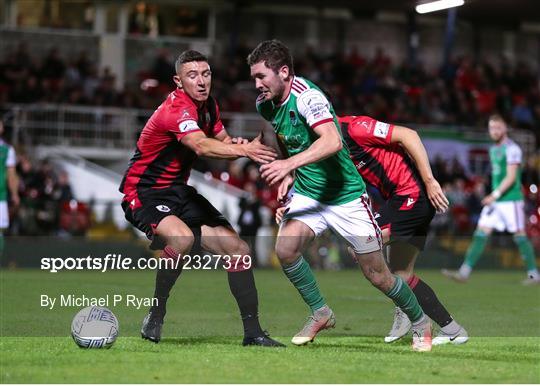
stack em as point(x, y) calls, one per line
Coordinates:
point(202, 334)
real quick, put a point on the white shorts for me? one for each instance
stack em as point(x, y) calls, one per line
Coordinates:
point(4, 215)
point(353, 221)
point(503, 216)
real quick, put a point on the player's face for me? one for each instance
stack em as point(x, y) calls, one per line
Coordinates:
point(270, 84)
point(195, 79)
point(497, 130)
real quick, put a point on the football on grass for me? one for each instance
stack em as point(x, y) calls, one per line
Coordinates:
point(94, 327)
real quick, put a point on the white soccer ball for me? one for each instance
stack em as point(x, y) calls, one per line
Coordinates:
point(94, 327)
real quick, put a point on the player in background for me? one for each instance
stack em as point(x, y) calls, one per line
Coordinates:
point(8, 182)
point(158, 201)
point(393, 159)
point(503, 207)
point(328, 192)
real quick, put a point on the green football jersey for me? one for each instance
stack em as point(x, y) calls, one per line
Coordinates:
point(333, 180)
point(507, 153)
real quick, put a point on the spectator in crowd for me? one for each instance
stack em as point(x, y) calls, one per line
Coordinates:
point(466, 92)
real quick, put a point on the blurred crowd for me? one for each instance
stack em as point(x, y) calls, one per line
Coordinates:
point(48, 206)
point(465, 192)
point(463, 92)
point(26, 78)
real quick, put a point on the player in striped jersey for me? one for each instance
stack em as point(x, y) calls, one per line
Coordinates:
point(393, 160)
point(503, 207)
point(158, 200)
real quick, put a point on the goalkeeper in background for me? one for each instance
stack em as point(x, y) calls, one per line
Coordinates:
point(503, 207)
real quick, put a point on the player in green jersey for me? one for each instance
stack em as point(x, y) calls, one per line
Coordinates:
point(8, 180)
point(503, 207)
point(327, 193)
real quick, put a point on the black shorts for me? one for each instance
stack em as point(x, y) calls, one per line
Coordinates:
point(407, 219)
point(182, 201)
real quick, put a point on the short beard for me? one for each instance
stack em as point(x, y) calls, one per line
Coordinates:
point(279, 94)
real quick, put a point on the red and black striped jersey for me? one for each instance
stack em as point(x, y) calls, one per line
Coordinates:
point(160, 159)
point(381, 163)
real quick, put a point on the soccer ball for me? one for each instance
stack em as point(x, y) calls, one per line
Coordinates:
point(94, 327)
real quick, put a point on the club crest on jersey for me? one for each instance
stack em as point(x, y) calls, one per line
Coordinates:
point(163, 208)
point(293, 118)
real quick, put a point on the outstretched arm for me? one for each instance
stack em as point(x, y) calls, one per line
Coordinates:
point(224, 137)
point(214, 148)
point(411, 142)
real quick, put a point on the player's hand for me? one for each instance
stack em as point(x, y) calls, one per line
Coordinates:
point(258, 152)
point(436, 196)
point(488, 200)
point(275, 171)
point(280, 212)
point(284, 188)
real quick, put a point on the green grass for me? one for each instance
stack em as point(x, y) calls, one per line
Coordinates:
point(202, 333)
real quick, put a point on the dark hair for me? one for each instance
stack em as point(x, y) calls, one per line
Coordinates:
point(189, 56)
point(274, 54)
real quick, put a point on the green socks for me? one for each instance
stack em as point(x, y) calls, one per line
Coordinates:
point(476, 248)
point(300, 274)
point(404, 298)
point(527, 252)
point(479, 243)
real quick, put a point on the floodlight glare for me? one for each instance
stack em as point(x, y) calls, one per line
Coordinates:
point(438, 5)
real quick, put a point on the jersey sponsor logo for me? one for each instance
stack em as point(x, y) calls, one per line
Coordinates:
point(163, 208)
point(292, 142)
point(381, 129)
point(186, 126)
point(185, 114)
point(315, 103)
point(410, 201)
point(318, 108)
